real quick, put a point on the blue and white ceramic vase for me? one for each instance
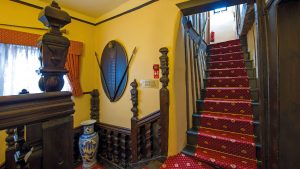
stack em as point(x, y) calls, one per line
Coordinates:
point(88, 144)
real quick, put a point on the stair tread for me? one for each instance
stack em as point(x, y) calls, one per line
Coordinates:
point(227, 116)
point(230, 69)
point(227, 122)
point(226, 61)
point(228, 88)
point(229, 101)
point(240, 77)
point(224, 160)
point(225, 135)
point(223, 54)
point(226, 47)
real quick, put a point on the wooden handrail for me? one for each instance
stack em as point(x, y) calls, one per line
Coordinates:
point(113, 127)
point(149, 118)
point(31, 108)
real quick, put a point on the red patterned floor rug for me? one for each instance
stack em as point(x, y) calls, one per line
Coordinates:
point(181, 161)
point(98, 166)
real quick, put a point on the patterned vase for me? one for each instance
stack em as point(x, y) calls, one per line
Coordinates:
point(88, 144)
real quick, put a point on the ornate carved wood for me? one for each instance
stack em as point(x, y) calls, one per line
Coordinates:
point(134, 120)
point(164, 100)
point(54, 48)
point(10, 150)
point(95, 104)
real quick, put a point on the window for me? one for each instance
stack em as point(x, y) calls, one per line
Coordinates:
point(219, 10)
point(18, 65)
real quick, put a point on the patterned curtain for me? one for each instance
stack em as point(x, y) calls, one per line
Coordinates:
point(72, 65)
point(17, 38)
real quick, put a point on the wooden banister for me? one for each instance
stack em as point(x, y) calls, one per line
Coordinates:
point(32, 108)
point(164, 100)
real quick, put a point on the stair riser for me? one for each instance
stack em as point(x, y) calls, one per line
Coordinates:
point(233, 64)
point(252, 83)
point(250, 72)
point(236, 56)
point(225, 50)
point(254, 95)
point(225, 44)
point(193, 140)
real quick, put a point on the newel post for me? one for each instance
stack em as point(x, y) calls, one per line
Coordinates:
point(164, 100)
point(134, 120)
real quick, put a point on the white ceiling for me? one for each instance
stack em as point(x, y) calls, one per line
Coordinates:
point(92, 8)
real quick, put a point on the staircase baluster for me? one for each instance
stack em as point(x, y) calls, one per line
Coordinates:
point(10, 150)
point(116, 148)
point(148, 141)
point(109, 145)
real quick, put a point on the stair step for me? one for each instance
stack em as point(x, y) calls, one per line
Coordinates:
point(256, 126)
point(224, 160)
point(231, 82)
point(226, 122)
point(231, 72)
point(231, 93)
point(225, 44)
point(217, 159)
point(228, 49)
point(227, 142)
point(226, 56)
point(241, 63)
point(228, 106)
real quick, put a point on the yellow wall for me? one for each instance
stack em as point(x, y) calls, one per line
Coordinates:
point(22, 15)
point(251, 41)
point(224, 25)
point(149, 28)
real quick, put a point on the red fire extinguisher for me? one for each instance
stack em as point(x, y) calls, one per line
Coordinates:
point(156, 71)
point(212, 36)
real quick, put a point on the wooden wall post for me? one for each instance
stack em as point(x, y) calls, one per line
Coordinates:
point(94, 105)
point(164, 100)
point(134, 120)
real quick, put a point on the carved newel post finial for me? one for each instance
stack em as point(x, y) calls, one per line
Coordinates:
point(53, 48)
point(164, 66)
point(134, 98)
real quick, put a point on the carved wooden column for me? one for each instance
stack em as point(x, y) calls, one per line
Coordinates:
point(57, 134)
point(164, 100)
point(54, 48)
point(134, 120)
point(95, 105)
point(10, 150)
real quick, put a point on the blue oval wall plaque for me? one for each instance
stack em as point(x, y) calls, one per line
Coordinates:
point(114, 75)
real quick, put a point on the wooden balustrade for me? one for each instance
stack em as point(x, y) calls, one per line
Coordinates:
point(147, 139)
point(114, 144)
point(196, 32)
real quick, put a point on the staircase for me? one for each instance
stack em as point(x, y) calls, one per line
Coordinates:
point(225, 126)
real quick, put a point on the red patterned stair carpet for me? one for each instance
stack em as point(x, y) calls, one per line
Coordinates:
point(98, 166)
point(225, 136)
point(181, 161)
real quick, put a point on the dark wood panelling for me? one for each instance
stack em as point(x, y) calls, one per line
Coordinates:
point(25, 109)
point(288, 21)
point(196, 6)
point(283, 61)
point(58, 149)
